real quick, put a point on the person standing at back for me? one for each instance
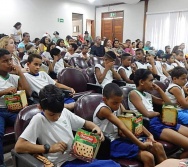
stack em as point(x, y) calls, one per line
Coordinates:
point(88, 37)
point(17, 33)
point(97, 49)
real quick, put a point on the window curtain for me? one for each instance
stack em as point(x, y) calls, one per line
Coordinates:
point(167, 29)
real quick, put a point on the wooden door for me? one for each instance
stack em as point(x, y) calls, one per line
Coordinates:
point(112, 25)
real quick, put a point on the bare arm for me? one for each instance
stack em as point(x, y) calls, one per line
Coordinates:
point(137, 102)
point(41, 47)
point(100, 76)
point(124, 76)
point(61, 86)
point(115, 74)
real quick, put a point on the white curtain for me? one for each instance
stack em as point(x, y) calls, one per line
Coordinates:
point(167, 29)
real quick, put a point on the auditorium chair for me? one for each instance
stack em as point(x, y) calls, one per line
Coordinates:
point(95, 60)
point(23, 119)
point(78, 62)
point(117, 63)
point(76, 79)
point(85, 107)
point(169, 148)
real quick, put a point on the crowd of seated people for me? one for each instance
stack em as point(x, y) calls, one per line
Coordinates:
point(34, 67)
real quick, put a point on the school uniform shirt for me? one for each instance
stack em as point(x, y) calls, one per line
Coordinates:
point(171, 96)
point(180, 63)
point(87, 55)
point(108, 78)
point(109, 129)
point(146, 100)
point(48, 132)
point(10, 81)
point(62, 49)
point(59, 66)
point(140, 65)
point(170, 66)
point(159, 69)
point(37, 82)
point(68, 56)
point(128, 72)
point(47, 55)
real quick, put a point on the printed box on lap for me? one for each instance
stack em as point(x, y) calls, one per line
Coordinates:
point(169, 115)
point(134, 122)
point(17, 101)
point(85, 145)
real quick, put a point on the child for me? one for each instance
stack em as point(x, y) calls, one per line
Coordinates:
point(140, 100)
point(140, 59)
point(129, 147)
point(176, 93)
point(71, 51)
point(125, 69)
point(170, 63)
point(9, 84)
point(84, 54)
point(181, 61)
point(53, 129)
point(156, 67)
point(104, 73)
point(58, 63)
point(38, 79)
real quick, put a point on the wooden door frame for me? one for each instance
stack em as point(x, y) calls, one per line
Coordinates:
point(112, 22)
point(93, 28)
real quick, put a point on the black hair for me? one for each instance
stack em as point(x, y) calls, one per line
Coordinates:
point(74, 46)
point(138, 44)
point(36, 39)
point(128, 40)
point(141, 74)
point(25, 33)
point(17, 24)
point(58, 42)
point(168, 56)
point(112, 89)
point(51, 98)
point(137, 40)
point(110, 54)
point(114, 42)
point(68, 37)
point(43, 40)
point(140, 50)
point(175, 49)
point(83, 46)
point(32, 56)
point(178, 52)
point(29, 47)
point(166, 47)
point(54, 52)
point(4, 52)
point(133, 43)
point(3, 35)
point(105, 42)
point(125, 56)
point(177, 72)
point(49, 46)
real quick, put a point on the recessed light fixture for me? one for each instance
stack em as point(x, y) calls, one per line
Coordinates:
point(91, 1)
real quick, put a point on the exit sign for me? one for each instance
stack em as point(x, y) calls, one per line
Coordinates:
point(60, 20)
point(112, 14)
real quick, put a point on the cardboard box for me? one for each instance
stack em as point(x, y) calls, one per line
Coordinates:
point(85, 145)
point(16, 101)
point(133, 122)
point(169, 115)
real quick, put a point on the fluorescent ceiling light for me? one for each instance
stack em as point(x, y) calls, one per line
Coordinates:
point(91, 1)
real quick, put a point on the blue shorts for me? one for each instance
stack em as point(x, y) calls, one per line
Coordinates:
point(156, 127)
point(122, 148)
point(68, 100)
point(183, 117)
point(94, 163)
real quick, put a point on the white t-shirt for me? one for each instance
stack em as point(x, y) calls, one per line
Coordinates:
point(109, 129)
point(25, 57)
point(48, 132)
point(180, 63)
point(68, 56)
point(38, 82)
point(159, 69)
point(108, 78)
point(47, 55)
point(128, 72)
point(170, 66)
point(59, 66)
point(87, 55)
point(61, 49)
point(15, 32)
point(146, 100)
point(10, 81)
point(140, 65)
point(171, 96)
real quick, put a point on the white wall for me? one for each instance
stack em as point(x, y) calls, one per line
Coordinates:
point(79, 24)
point(167, 5)
point(133, 19)
point(41, 16)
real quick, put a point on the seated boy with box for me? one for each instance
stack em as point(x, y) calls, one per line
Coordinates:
point(9, 84)
point(105, 116)
point(38, 79)
point(53, 128)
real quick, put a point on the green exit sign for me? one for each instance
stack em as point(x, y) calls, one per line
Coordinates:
point(60, 20)
point(112, 14)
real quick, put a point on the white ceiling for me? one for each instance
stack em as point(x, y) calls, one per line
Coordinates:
point(106, 2)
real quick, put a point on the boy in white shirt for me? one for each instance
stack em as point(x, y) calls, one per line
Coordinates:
point(84, 54)
point(53, 128)
point(71, 51)
point(38, 79)
point(9, 84)
point(181, 61)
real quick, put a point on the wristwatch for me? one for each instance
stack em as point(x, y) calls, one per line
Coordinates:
point(47, 148)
